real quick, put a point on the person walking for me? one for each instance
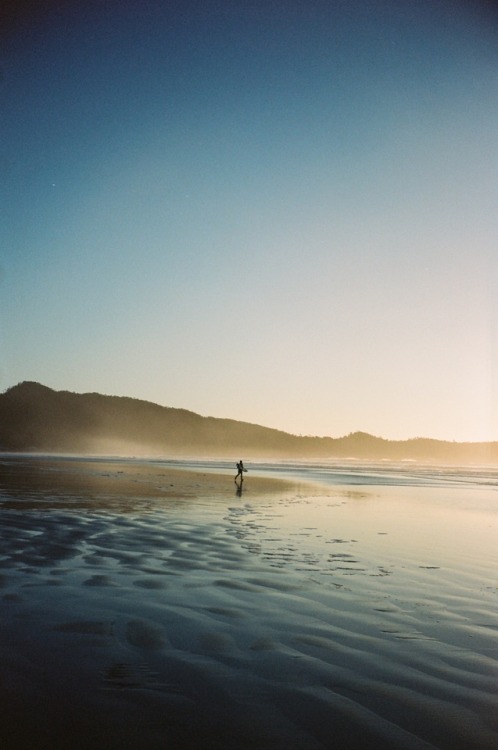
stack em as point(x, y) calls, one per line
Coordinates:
point(240, 472)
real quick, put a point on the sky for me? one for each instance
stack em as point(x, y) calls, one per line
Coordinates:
point(281, 212)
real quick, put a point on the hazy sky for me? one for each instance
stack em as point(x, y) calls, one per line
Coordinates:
point(275, 211)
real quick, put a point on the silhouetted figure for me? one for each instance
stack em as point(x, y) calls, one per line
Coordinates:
point(240, 472)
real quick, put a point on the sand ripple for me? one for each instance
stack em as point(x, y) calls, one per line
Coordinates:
point(284, 620)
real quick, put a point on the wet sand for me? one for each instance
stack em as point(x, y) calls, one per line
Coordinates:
point(147, 607)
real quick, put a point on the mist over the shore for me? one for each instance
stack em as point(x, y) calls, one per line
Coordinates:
point(34, 418)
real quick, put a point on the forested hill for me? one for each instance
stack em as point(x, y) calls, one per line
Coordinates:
point(36, 418)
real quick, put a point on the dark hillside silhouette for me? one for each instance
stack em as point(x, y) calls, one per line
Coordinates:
point(34, 418)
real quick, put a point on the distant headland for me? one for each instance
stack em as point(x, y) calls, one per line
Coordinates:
point(34, 418)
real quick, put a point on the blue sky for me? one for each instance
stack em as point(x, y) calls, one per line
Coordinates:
point(280, 212)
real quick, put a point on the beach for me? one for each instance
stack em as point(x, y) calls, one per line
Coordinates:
point(150, 604)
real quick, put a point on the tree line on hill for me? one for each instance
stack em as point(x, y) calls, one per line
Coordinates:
point(34, 418)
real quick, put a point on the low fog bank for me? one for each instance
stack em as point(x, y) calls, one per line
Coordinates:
point(34, 418)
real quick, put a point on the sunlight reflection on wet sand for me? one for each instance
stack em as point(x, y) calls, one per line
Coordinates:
point(148, 605)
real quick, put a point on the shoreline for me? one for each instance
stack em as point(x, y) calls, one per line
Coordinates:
point(144, 606)
point(89, 476)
